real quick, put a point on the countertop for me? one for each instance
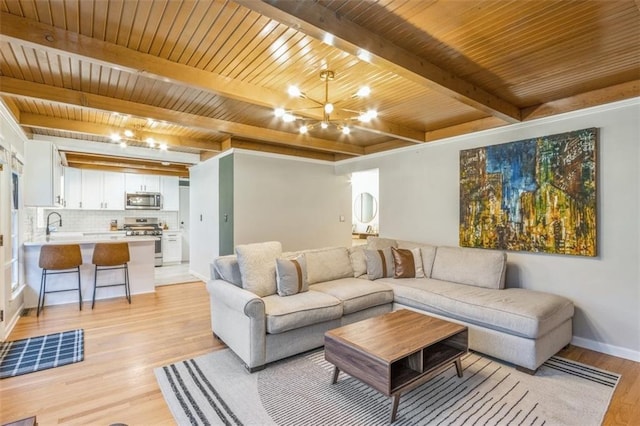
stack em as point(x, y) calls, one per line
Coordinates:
point(87, 238)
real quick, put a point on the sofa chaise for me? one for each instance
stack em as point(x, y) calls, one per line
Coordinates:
point(267, 305)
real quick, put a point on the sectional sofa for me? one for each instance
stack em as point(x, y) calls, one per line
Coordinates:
point(267, 305)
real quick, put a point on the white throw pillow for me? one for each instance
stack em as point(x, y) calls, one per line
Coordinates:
point(257, 264)
point(379, 263)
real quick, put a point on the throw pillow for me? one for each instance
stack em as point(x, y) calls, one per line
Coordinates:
point(358, 261)
point(291, 276)
point(258, 267)
point(407, 263)
point(379, 263)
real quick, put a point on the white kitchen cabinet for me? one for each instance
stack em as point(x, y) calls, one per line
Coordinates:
point(171, 246)
point(43, 175)
point(72, 188)
point(170, 189)
point(102, 190)
point(113, 187)
point(142, 183)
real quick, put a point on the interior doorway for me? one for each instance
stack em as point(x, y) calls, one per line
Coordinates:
point(365, 202)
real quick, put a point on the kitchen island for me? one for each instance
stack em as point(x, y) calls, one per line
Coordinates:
point(141, 269)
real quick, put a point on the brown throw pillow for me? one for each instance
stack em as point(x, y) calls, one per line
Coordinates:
point(407, 263)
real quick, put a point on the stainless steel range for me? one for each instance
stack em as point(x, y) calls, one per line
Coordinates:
point(145, 227)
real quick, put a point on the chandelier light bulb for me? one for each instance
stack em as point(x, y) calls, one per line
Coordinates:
point(328, 108)
point(279, 112)
point(363, 92)
point(151, 142)
point(115, 137)
point(123, 144)
point(128, 133)
point(346, 130)
point(163, 147)
point(324, 125)
point(366, 117)
point(304, 129)
point(288, 117)
point(294, 91)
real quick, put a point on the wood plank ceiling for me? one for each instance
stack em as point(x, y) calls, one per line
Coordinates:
point(205, 76)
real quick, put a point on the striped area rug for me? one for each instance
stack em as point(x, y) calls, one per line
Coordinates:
point(42, 352)
point(216, 389)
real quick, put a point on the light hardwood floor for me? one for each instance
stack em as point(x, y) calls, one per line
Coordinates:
point(124, 343)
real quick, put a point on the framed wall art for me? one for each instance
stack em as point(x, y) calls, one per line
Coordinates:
point(536, 195)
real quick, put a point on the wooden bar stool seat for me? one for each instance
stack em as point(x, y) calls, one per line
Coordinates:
point(111, 256)
point(61, 259)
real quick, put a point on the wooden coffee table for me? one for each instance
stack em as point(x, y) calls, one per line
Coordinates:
point(396, 352)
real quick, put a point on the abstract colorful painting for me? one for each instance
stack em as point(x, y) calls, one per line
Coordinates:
point(536, 195)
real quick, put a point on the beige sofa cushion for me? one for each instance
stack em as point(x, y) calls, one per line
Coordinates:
point(476, 267)
point(377, 243)
point(257, 263)
point(521, 312)
point(356, 294)
point(328, 264)
point(226, 268)
point(299, 310)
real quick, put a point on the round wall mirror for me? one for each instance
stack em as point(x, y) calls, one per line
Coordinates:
point(365, 207)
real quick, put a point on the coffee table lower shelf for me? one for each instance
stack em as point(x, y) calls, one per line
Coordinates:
point(394, 375)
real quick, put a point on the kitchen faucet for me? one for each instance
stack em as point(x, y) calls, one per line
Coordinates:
point(48, 231)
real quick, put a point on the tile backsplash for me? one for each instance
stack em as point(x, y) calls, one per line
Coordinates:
point(90, 220)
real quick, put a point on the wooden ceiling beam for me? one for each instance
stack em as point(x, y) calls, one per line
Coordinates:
point(465, 128)
point(261, 147)
point(316, 21)
point(386, 146)
point(21, 88)
point(98, 129)
point(618, 92)
point(88, 158)
point(128, 169)
point(59, 41)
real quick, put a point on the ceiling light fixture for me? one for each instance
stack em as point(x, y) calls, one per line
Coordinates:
point(136, 135)
point(327, 107)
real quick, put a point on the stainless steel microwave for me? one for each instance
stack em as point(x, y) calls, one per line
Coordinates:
point(143, 201)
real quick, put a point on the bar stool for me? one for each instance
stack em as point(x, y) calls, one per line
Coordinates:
point(64, 259)
point(111, 256)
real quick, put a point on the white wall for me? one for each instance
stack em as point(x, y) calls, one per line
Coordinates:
point(419, 200)
point(292, 200)
point(203, 217)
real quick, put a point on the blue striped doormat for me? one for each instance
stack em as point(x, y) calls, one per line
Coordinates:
point(40, 353)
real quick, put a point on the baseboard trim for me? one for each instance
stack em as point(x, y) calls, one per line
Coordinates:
point(11, 324)
point(606, 348)
point(199, 276)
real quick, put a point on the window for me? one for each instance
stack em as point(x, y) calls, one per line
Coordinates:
point(15, 232)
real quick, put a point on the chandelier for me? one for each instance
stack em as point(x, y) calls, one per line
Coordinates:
point(342, 124)
point(137, 135)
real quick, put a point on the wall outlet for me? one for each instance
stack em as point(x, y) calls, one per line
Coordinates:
point(341, 218)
